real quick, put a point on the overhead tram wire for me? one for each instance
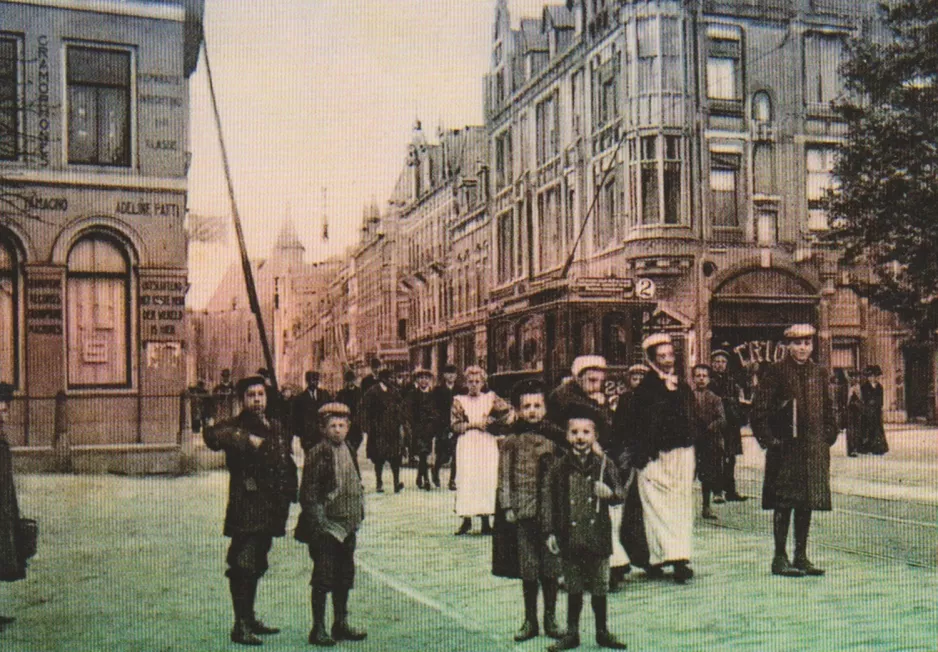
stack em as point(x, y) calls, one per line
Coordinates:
point(245, 261)
point(612, 165)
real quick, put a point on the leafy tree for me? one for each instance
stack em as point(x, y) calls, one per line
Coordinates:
point(885, 212)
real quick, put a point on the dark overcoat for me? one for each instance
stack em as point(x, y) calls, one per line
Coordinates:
point(657, 420)
point(797, 460)
point(724, 386)
point(873, 435)
point(571, 392)
point(263, 480)
point(12, 567)
point(318, 487)
point(305, 415)
point(592, 538)
point(423, 418)
point(709, 447)
point(382, 418)
point(351, 396)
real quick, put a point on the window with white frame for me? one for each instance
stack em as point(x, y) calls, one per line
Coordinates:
point(724, 188)
point(10, 104)
point(823, 54)
point(657, 179)
point(547, 115)
point(98, 313)
point(724, 71)
point(648, 47)
point(99, 114)
point(819, 178)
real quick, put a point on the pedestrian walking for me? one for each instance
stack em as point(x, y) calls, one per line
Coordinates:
point(733, 396)
point(263, 483)
point(371, 379)
point(445, 441)
point(525, 458)
point(586, 386)
point(333, 507)
point(873, 438)
point(383, 420)
point(793, 419)
point(423, 420)
point(351, 396)
point(12, 557)
point(276, 407)
point(709, 446)
point(581, 486)
point(198, 405)
point(472, 418)
point(853, 421)
point(223, 397)
point(660, 431)
point(304, 410)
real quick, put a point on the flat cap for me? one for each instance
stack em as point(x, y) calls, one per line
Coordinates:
point(719, 352)
point(334, 409)
point(638, 369)
point(655, 339)
point(585, 362)
point(800, 331)
point(421, 371)
point(248, 381)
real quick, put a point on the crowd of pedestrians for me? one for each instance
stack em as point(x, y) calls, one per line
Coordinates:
point(577, 487)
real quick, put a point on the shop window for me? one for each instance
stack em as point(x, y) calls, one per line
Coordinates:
point(10, 104)
point(9, 312)
point(819, 178)
point(98, 106)
point(724, 182)
point(823, 54)
point(98, 319)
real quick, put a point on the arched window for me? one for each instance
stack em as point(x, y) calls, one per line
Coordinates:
point(99, 350)
point(9, 326)
point(761, 107)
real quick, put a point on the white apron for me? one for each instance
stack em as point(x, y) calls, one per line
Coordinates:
point(666, 490)
point(476, 460)
point(618, 557)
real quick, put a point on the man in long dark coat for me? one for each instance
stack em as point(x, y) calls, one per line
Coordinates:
point(351, 396)
point(305, 411)
point(725, 386)
point(382, 418)
point(711, 422)
point(793, 418)
point(12, 565)
point(445, 442)
point(263, 483)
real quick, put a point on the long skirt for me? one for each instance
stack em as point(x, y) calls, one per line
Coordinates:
point(477, 461)
point(666, 488)
point(619, 557)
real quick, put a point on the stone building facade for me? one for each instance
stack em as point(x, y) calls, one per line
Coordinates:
point(93, 162)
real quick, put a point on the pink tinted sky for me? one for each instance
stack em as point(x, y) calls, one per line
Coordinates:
point(324, 93)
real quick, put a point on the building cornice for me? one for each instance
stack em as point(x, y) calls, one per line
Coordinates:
point(93, 180)
point(156, 10)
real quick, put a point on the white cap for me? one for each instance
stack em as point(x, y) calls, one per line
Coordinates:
point(584, 362)
point(800, 331)
point(655, 339)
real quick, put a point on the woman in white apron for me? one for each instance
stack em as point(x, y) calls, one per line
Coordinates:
point(476, 450)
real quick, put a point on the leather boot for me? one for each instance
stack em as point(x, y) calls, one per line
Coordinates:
point(465, 528)
point(241, 589)
point(529, 627)
point(550, 608)
point(486, 526)
point(341, 631)
point(241, 633)
point(604, 637)
point(781, 566)
point(802, 527)
point(318, 634)
point(257, 626)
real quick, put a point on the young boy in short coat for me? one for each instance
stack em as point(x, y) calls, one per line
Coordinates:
point(525, 458)
point(581, 486)
point(332, 498)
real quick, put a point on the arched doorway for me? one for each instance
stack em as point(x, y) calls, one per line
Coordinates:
point(750, 311)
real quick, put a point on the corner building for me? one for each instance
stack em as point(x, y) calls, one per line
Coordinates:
point(698, 138)
point(93, 159)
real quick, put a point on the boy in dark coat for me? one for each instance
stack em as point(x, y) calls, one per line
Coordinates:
point(423, 422)
point(709, 446)
point(793, 419)
point(445, 442)
point(263, 483)
point(525, 457)
point(382, 418)
point(332, 498)
point(575, 517)
point(725, 386)
point(12, 566)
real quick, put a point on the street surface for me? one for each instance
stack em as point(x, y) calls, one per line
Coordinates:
point(137, 564)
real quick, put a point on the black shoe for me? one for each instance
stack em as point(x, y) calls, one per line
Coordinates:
point(342, 632)
point(801, 563)
point(420, 482)
point(258, 627)
point(6, 620)
point(682, 572)
point(487, 529)
point(318, 636)
point(708, 514)
point(736, 498)
point(654, 572)
point(398, 487)
point(465, 528)
point(427, 486)
point(242, 634)
point(781, 566)
point(379, 489)
point(604, 638)
point(527, 632)
point(567, 642)
point(551, 628)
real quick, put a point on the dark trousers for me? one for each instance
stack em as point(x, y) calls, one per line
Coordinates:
point(395, 464)
point(729, 475)
point(247, 555)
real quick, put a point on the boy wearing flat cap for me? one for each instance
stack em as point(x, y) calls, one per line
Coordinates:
point(332, 498)
point(793, 419)
point(258, 453)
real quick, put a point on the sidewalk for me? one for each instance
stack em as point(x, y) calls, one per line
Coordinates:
point(137, 564)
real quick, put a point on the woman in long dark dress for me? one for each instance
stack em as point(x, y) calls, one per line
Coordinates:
point(12, 565)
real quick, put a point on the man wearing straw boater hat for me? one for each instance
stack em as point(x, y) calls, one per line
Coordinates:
point(793, 419)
